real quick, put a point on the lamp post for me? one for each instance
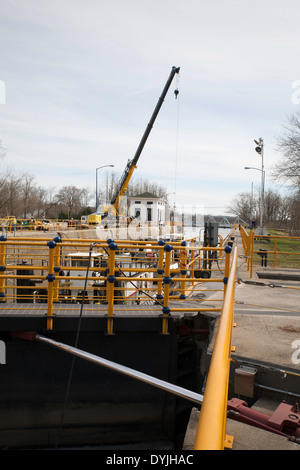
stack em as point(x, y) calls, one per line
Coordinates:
point(261, 196)
point(103, 166)
point(260, 150)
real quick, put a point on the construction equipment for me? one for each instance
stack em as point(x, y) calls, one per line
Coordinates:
point(114, 209)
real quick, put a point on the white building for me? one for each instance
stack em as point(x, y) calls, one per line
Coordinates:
point(148, 208)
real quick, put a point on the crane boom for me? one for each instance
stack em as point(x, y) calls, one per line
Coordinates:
point(132, 164)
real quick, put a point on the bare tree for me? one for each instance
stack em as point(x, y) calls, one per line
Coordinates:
point(10, 186)
point(27, 187)
point(72, 198)
point(288, 168)
point(2, 151)
point(242, 206)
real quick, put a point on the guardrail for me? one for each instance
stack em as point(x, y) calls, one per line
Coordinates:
point(211, 430)
point(270, 250)
point(169, 268)
point(71, 271)
point(17, 225)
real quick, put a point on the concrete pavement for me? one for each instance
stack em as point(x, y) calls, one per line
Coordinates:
point(266, 337)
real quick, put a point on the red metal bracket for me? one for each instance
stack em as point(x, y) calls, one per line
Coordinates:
point(284, 421)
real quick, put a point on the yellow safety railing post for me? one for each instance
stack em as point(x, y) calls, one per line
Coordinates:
point(251, 252)
point(275, 251)
point(110, 286)
point(56, 269)
point(227, 267)
point(167, 280)
point(211, 430)
point(2, 267)
point(160, 271)
point(193, 262)
point(183, 269)
point(50, 278)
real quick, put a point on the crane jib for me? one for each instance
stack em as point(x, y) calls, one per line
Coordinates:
point(132, 163)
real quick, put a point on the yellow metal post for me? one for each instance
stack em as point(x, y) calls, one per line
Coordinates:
point(110, 286)
point(50, 278)
point(251, 252)
point(167, 280)
point(183, 265)
point(275, 251)
point(227, 267)
point(2, 268)
point(56, 269)
point(160, 271)
point(193, 263)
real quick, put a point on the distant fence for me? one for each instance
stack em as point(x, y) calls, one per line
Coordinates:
point(272, 251)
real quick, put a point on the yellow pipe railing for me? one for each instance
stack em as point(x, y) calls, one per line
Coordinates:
point(49, 258)
point(211, 430)
point(276, 252)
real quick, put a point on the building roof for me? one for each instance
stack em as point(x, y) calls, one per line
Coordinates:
point(146, 195)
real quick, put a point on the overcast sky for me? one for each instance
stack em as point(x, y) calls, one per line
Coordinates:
point(82, 79)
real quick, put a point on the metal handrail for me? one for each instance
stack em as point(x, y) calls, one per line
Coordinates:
point(52, 281)
point(211, 431)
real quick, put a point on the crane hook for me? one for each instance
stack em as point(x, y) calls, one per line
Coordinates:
point(176, 93)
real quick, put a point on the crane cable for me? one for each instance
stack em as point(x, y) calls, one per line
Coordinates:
point(176, 92)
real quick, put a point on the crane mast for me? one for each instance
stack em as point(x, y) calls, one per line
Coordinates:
point(132, 164)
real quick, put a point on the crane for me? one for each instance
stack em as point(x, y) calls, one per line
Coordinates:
point(132, 164)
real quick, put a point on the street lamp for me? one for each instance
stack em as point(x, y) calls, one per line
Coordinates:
point(260, 150)
point(103, 166)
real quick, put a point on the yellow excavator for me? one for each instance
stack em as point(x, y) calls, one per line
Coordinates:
point(115, 207)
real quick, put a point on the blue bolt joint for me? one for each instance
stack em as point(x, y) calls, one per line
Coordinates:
point(161, 243)
point(184, 243)
point(167, 280)
point(182, 297)
point(113, 246)
point(111, 279)
point(57, 269)
point(160, 271)
point(51, 244)
point(228, 249)
point(166, 310)
point(225, 280)
point(57, 239)
point(159, 297)
point(168, 248)
point(109, 240)
point(183, 271)
point(2, 294)
point(3, 238)
point(2, 268)
point(50, 278)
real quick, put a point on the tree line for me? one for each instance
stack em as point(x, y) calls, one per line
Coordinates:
point(21, 196)
point(279, 211)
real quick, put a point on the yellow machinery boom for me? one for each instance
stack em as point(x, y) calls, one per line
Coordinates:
point(132, 164)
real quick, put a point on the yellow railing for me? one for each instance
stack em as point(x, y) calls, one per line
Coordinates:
point(12, 224)
point(272, 252)
point(169, 267)
point(127, 272)
point(211, 431)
